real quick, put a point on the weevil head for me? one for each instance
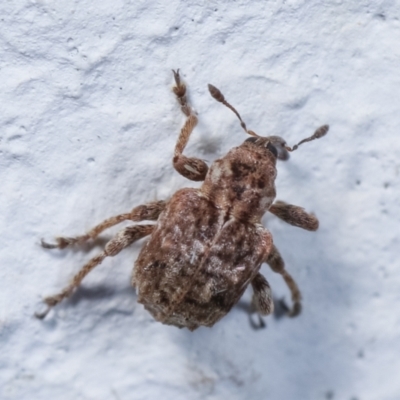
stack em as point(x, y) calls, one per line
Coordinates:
point(273, 144)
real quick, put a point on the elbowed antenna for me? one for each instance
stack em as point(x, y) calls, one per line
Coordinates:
point(321, 131)
point(216, 93)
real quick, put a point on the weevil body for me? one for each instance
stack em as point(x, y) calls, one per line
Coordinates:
point(206, 245)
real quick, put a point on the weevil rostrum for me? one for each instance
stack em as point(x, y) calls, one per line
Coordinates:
point(205, 245)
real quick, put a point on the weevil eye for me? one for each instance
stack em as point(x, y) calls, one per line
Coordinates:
point(251, 139)
point(279, 144)
point(272, 149)
point(283, 154)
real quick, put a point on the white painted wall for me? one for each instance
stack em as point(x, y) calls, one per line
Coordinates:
point(88, 125)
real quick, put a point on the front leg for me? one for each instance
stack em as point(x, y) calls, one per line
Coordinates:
point(294, 215)
point(190, 167)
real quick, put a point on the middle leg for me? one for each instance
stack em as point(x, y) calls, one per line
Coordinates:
point(150, 212)
point(294, 215)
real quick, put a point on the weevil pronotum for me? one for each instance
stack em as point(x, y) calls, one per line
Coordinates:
point(205, 245)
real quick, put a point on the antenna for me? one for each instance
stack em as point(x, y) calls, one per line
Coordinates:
point(216, 93)
point(321, 131)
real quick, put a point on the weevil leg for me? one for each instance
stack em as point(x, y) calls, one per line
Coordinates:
point(145, 212)
point(121, 240)
point(262, 298)
point(190, 167)
point(275, 261)
point(294, 215)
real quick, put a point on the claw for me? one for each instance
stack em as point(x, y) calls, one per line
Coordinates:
point(42, 315)
point(177, 77)
point(295, 311)
point(180, 88)
point(62, 242)
point(48, 245)
point(255, 325)
point(290, 312)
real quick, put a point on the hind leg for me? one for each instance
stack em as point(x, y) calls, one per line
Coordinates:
point(262, 302)
point(120, 241)
point(275, 261)
point(262, 298)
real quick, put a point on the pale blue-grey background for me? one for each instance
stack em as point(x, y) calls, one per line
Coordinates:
point(88, 125)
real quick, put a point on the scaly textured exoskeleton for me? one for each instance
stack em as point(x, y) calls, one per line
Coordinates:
point(207, 245)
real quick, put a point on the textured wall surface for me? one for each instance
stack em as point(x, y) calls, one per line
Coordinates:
point(88, 126)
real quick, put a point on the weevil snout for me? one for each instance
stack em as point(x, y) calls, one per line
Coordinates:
point(275, 144)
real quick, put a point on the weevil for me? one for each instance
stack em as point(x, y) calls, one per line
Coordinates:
point(205, 246)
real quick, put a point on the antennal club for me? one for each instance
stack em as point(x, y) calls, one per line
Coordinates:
point(321, 131)
point(216, 93)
